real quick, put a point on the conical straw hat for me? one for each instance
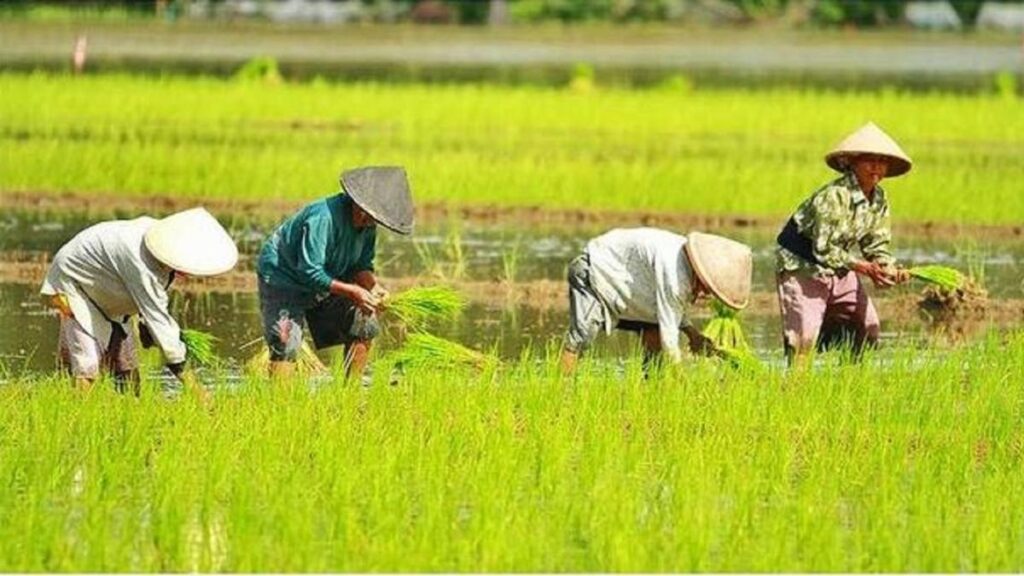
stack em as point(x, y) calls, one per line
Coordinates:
point(383, 192)
point(192, 242)
point(723, 265)
point(869, 139)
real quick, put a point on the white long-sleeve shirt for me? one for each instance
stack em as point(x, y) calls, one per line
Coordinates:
point(643, 274)
point(107, 274)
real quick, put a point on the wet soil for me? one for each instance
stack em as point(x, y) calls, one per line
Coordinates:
point(903, 305)
point(107, 205)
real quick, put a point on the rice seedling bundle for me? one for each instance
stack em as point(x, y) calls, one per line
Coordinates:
point(417, 306)
point(943, 276)
point(726, 333)
point(724, 328)
point(421, 349)
point(199, 347)
point(307, 361)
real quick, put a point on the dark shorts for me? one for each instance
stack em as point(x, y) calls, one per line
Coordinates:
point(332, 320)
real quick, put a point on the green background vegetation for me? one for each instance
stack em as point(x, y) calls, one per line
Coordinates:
point(668, 149)
point(861, 13)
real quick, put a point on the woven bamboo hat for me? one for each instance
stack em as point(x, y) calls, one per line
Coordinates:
point(723, 265)
point(869, 139)
point(192, 242)
point(383, 192)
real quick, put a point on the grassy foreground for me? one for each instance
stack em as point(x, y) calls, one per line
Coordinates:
point(708, 152)
point(912, 466)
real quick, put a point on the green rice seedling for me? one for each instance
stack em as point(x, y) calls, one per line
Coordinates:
point(424, 349)
point(456, 256)
point(552, 153)
point(876, 467)
point(307, 362)
point(429, 260)
point(199, 347)
point(510, 262)
point(724, 328)
point(416, 307)
point(943, 276)
point(726, 334)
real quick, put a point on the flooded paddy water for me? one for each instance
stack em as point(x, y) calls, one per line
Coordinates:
point(512, 274)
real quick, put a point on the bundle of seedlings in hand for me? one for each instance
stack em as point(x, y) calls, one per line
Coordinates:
point(724, 329)
point(422, 349)
point(942, 276)
point(199, 347)
point(726, 334)
point(417, 306)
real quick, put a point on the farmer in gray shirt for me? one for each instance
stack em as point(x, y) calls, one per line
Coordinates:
point(644, 280)
point(114, 270)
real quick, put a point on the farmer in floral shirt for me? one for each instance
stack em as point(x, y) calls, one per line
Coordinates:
point(820, 294)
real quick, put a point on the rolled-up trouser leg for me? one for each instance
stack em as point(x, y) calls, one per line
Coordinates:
point(79, 353)
point(283, 316)
point(803, 300)
point(851, 308)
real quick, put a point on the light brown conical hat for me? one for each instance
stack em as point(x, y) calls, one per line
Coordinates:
point(192, 242)
point(723, 265)
point(869, 139)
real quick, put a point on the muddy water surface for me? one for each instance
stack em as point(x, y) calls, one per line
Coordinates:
point(510, 258)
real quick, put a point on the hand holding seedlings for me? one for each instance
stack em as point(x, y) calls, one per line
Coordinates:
point(876, 272)
point(361, 297)
point(380, 292)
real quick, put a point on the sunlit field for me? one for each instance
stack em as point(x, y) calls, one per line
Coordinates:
point(911, 464)
point(672, 149)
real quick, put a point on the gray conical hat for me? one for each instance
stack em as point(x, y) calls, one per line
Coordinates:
point(869, 139)
point(725, 266)
point(383, 191)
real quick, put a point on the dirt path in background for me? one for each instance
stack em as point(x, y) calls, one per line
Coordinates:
point(899, 305)
point(105, 205)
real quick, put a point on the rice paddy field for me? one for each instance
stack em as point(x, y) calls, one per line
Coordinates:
point(707, 152)
point(910, 460)
point(911, 465)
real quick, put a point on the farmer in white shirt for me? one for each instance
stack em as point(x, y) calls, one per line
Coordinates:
point(114, 270)
point(644, 280)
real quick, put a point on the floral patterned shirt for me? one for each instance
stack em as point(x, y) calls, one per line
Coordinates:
point(837, 219)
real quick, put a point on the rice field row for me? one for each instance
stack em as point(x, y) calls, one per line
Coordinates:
point(752, 152)
point(911, 465)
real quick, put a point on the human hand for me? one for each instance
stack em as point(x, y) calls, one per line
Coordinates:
point(363, 298)
point(700, 344)
point(900, 275)
point(873, 270)
point(380, 292)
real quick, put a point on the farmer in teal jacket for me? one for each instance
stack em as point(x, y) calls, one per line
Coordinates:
point(316, 269)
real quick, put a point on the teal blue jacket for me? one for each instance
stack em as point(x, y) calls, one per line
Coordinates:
point(316, 245)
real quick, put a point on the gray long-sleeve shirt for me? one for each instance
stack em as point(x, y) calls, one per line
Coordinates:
point(643, 274)
point(107, 274)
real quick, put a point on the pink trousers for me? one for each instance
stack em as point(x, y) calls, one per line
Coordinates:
point(825, 310)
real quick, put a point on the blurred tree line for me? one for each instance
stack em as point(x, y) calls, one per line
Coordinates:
point(860, 13)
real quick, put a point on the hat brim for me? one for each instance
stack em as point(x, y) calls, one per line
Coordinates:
point(700, 269)
point(192, 242)
point(404, 230)
point(841, 162)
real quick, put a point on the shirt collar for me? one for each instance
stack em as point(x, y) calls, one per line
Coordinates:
point(857, 195)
